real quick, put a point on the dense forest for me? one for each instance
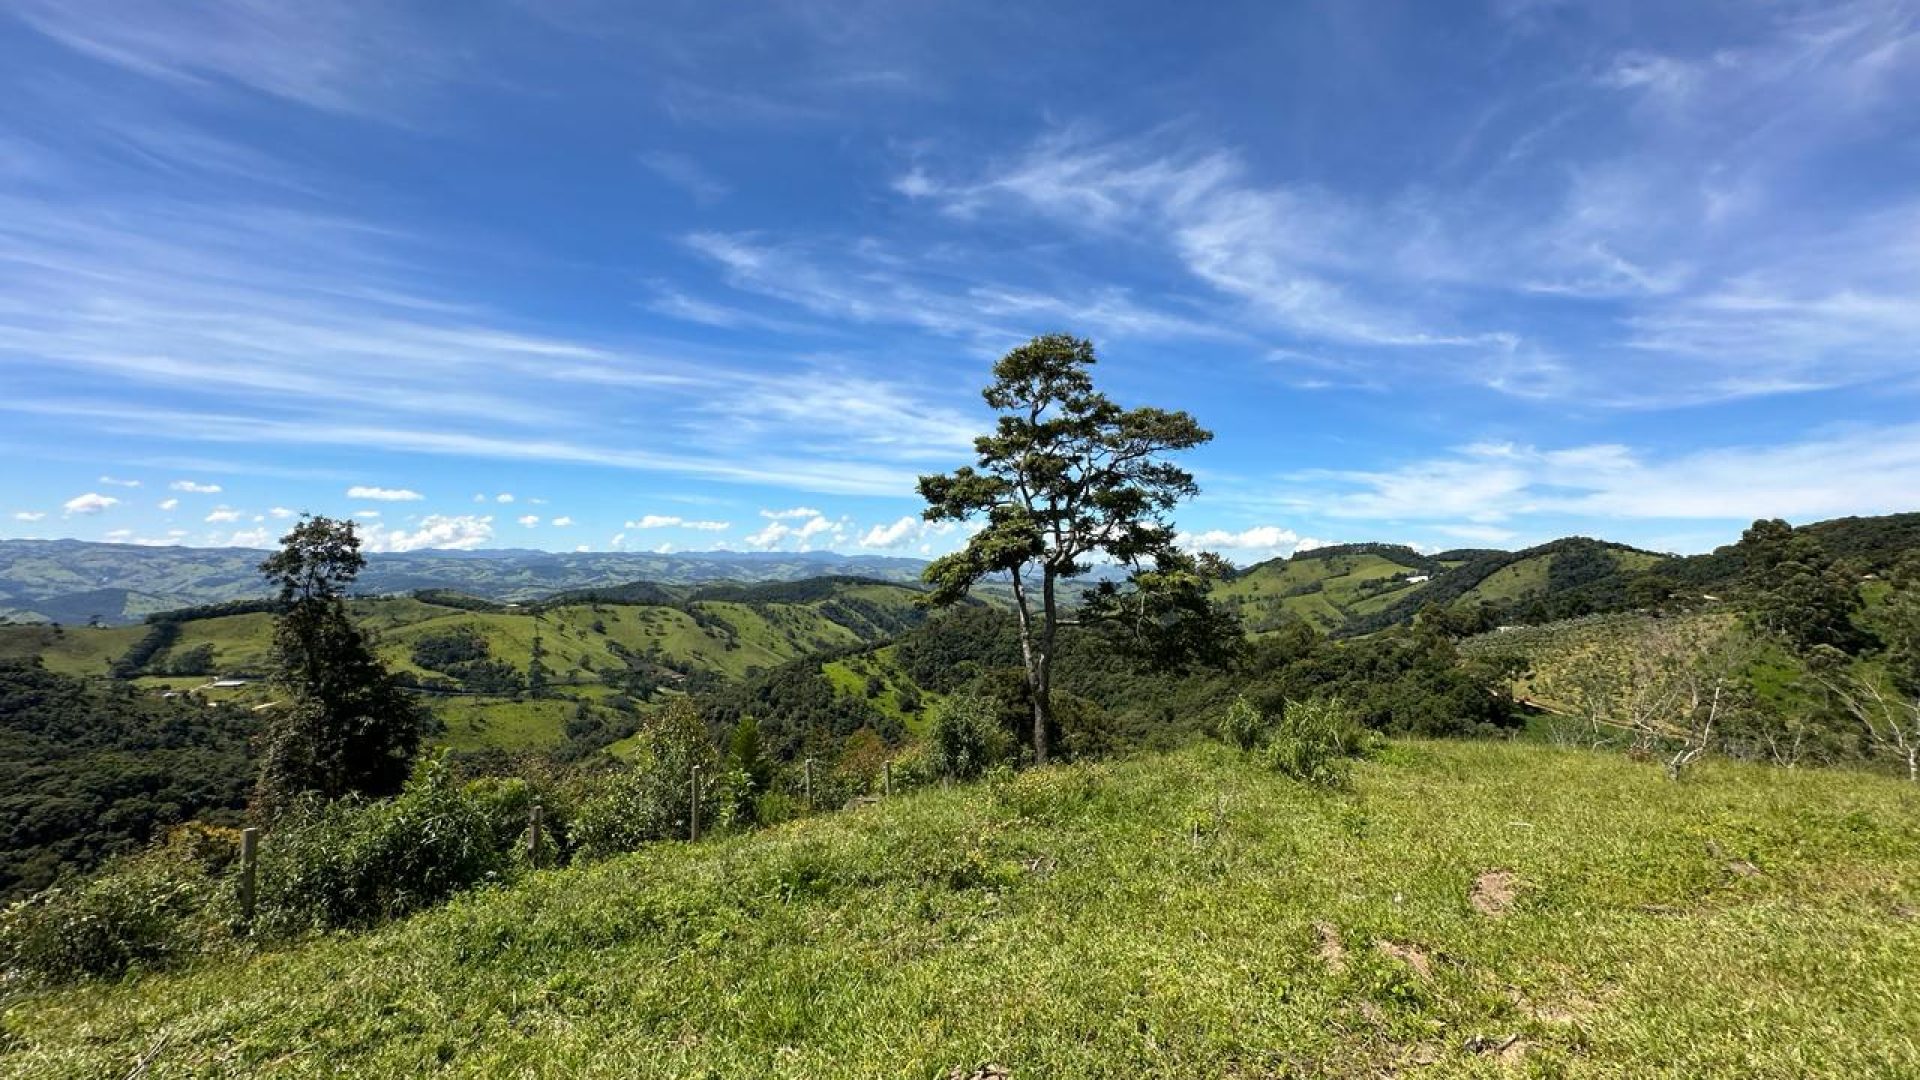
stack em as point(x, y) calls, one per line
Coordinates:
point(92, 769)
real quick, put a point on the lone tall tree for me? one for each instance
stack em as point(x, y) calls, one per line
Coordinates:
point(345, 727)
point(1065, 476)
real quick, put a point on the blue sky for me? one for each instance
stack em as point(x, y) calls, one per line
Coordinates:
point(688, 275)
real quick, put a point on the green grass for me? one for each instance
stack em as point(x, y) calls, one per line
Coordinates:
point(240, 642)
point(474, 722)
point(1179, 915)
point(1515, 581)
point(72, 650)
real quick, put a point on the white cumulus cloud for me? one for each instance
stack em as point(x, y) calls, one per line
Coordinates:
point(195, 488)
point(895, 535)
point(1253, 544)
point(29, 515)
point(169, 504)
point(458, 532)
point(801, 536)
point(907, 532)
point(529, 520)
point(380, 494)
point(91, 503)
point(111, 482)
point(561, 522)
point(223, 514)
point(669, 521)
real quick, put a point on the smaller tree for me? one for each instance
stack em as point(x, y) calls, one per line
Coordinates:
point(537, 668)
point(1886, 703)
point(744, 753)
point(1889, 718)
point(651, 798)
point(345, 727)
point(966, 738)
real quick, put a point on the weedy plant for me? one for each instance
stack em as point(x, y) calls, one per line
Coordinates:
point(1313, 740)
point(1316, 741)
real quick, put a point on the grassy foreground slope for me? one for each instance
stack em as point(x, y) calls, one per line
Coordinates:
point(1180, 915)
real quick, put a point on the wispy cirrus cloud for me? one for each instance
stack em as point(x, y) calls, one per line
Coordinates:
point(686, 174)
point(1486, 491)
point(328, 55)
point(179, 298)
point(863, 282)
point(1683, 256)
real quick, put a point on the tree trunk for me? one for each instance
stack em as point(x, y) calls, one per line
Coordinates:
point(1043, 668)
point(1037, 660)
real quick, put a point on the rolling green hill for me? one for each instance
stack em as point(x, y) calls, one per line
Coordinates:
point(1364, 588)
point(1327, 587)
point(590, 649)
point(1464, 909)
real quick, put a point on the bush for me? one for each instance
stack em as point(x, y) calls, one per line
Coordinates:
point(142, 911)
point(966, 737)
point(651, 799)
point(354, 863)
point(1315, 740)
point(1244, 725)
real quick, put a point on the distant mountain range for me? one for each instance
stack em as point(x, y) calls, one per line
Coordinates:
point(1348, 589)
point(75, 581)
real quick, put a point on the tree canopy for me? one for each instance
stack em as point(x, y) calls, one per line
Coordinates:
point(1068, 476)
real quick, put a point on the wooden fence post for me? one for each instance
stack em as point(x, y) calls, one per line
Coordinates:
point(886, 783)
point(809, 788)
point(249, 859)
point(536, 834)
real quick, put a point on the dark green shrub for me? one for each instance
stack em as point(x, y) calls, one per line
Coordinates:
point(142, 911)
point(354, 863)
point(966, 737)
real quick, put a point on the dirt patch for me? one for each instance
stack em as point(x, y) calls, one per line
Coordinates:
point(1409, 955)
point(1494, 892)
point(1742, 868)
point(1332, 952)
point(984, 1072)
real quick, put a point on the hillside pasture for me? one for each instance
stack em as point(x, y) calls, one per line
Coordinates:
point(1462, 909)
